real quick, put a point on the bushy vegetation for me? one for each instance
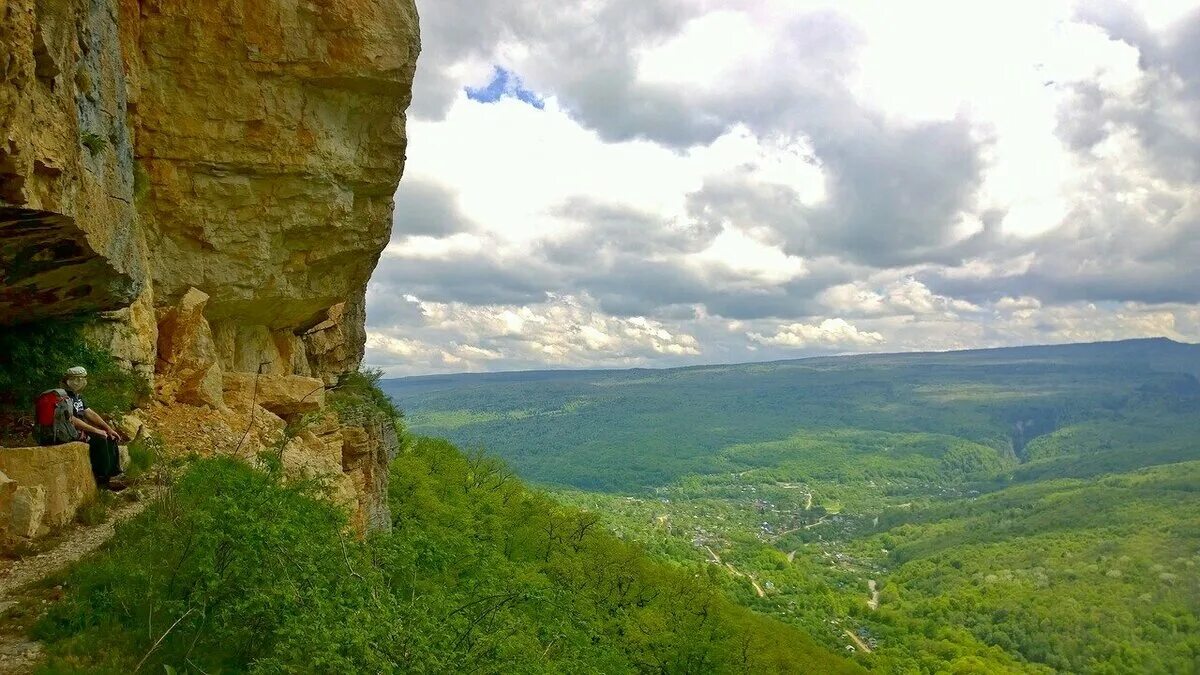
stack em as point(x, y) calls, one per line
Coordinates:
point(37, 354)
point(855, 454)
point(143, 453)
point(234, 571)
point(1034, 512)
point(1028, 510)
point(628, 430)
point(358, 400)
point(1080, 576)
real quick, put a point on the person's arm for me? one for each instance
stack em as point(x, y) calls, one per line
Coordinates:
point(98, 421)
point(87, 428)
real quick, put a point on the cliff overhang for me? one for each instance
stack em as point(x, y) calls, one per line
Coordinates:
point(216, 180)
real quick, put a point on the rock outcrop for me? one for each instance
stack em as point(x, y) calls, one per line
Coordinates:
point(43, 487)
point(217, 178)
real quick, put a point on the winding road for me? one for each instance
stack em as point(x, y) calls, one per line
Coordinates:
point(862, 646)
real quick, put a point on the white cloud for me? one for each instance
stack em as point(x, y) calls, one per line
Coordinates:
point(901, 296)
point(706, 53)
point(750, 260)
point(828, 333)
point(721, 180)
point(563, 331)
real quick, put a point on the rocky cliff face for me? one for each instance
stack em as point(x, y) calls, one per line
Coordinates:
point(217, 177)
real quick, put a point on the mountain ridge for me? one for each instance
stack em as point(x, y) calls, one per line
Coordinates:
point(553, 373)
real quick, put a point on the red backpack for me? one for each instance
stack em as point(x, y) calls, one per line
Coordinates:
point(52, 413)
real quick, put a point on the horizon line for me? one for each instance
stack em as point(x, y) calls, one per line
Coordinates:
point(618, 369)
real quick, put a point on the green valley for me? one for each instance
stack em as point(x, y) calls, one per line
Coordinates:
point(1016, 510)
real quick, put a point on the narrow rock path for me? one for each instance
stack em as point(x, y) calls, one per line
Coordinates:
point(19, 653)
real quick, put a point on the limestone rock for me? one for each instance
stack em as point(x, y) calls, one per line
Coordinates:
point(130, 335)
point(284, 395)
point(131, 426)
point(70, 239)
point(188, 371)
point(366, 452)
point(63, 472)
point(28, 509)
point(50, 269)
point(204, 431)
point(335, 345)
point(272, 135)
point(8, 490)
point(217, 178)
point(316, 454)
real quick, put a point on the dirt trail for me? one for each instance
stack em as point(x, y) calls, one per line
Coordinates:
point(873, 603)
point(757, 589)
point(19, 654)
point(808, 502)
point(715, 558)
point(735, 572)
point(862, 646)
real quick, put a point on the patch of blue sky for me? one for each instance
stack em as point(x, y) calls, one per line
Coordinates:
point(505, 83)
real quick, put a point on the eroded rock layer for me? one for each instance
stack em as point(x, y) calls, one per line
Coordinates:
point(217, 177)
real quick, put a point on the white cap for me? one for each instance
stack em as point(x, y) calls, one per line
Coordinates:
point(77, 371)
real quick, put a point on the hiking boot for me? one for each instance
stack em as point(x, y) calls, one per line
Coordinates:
point(115, 484)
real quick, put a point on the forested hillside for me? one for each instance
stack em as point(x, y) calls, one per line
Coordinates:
point(1030, 509)
point(236, 571)
point(618, 430)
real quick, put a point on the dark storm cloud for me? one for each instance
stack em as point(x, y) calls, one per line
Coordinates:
point(1133, 232)
point(473, 279)
point(426, 208)
point(894, 197)
point(1164, 111)
point(588, 50)
point(611, 229)
point(1107, 250)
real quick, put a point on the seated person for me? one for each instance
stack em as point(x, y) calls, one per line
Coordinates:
point(101, 438)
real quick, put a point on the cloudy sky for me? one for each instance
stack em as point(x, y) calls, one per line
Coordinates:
point(616, 183)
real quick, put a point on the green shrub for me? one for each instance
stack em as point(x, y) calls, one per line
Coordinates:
point(96, 511)
point(143, 453)
point(95, 143)
point(141, 181)
point(358, 400)
point(230, 571)
point(38, 355)
point(234, 571)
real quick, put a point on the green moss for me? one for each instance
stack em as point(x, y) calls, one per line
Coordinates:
point(96, 512)
point(141, 181)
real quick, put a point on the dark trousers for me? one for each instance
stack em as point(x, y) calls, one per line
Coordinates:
point(106, 459)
